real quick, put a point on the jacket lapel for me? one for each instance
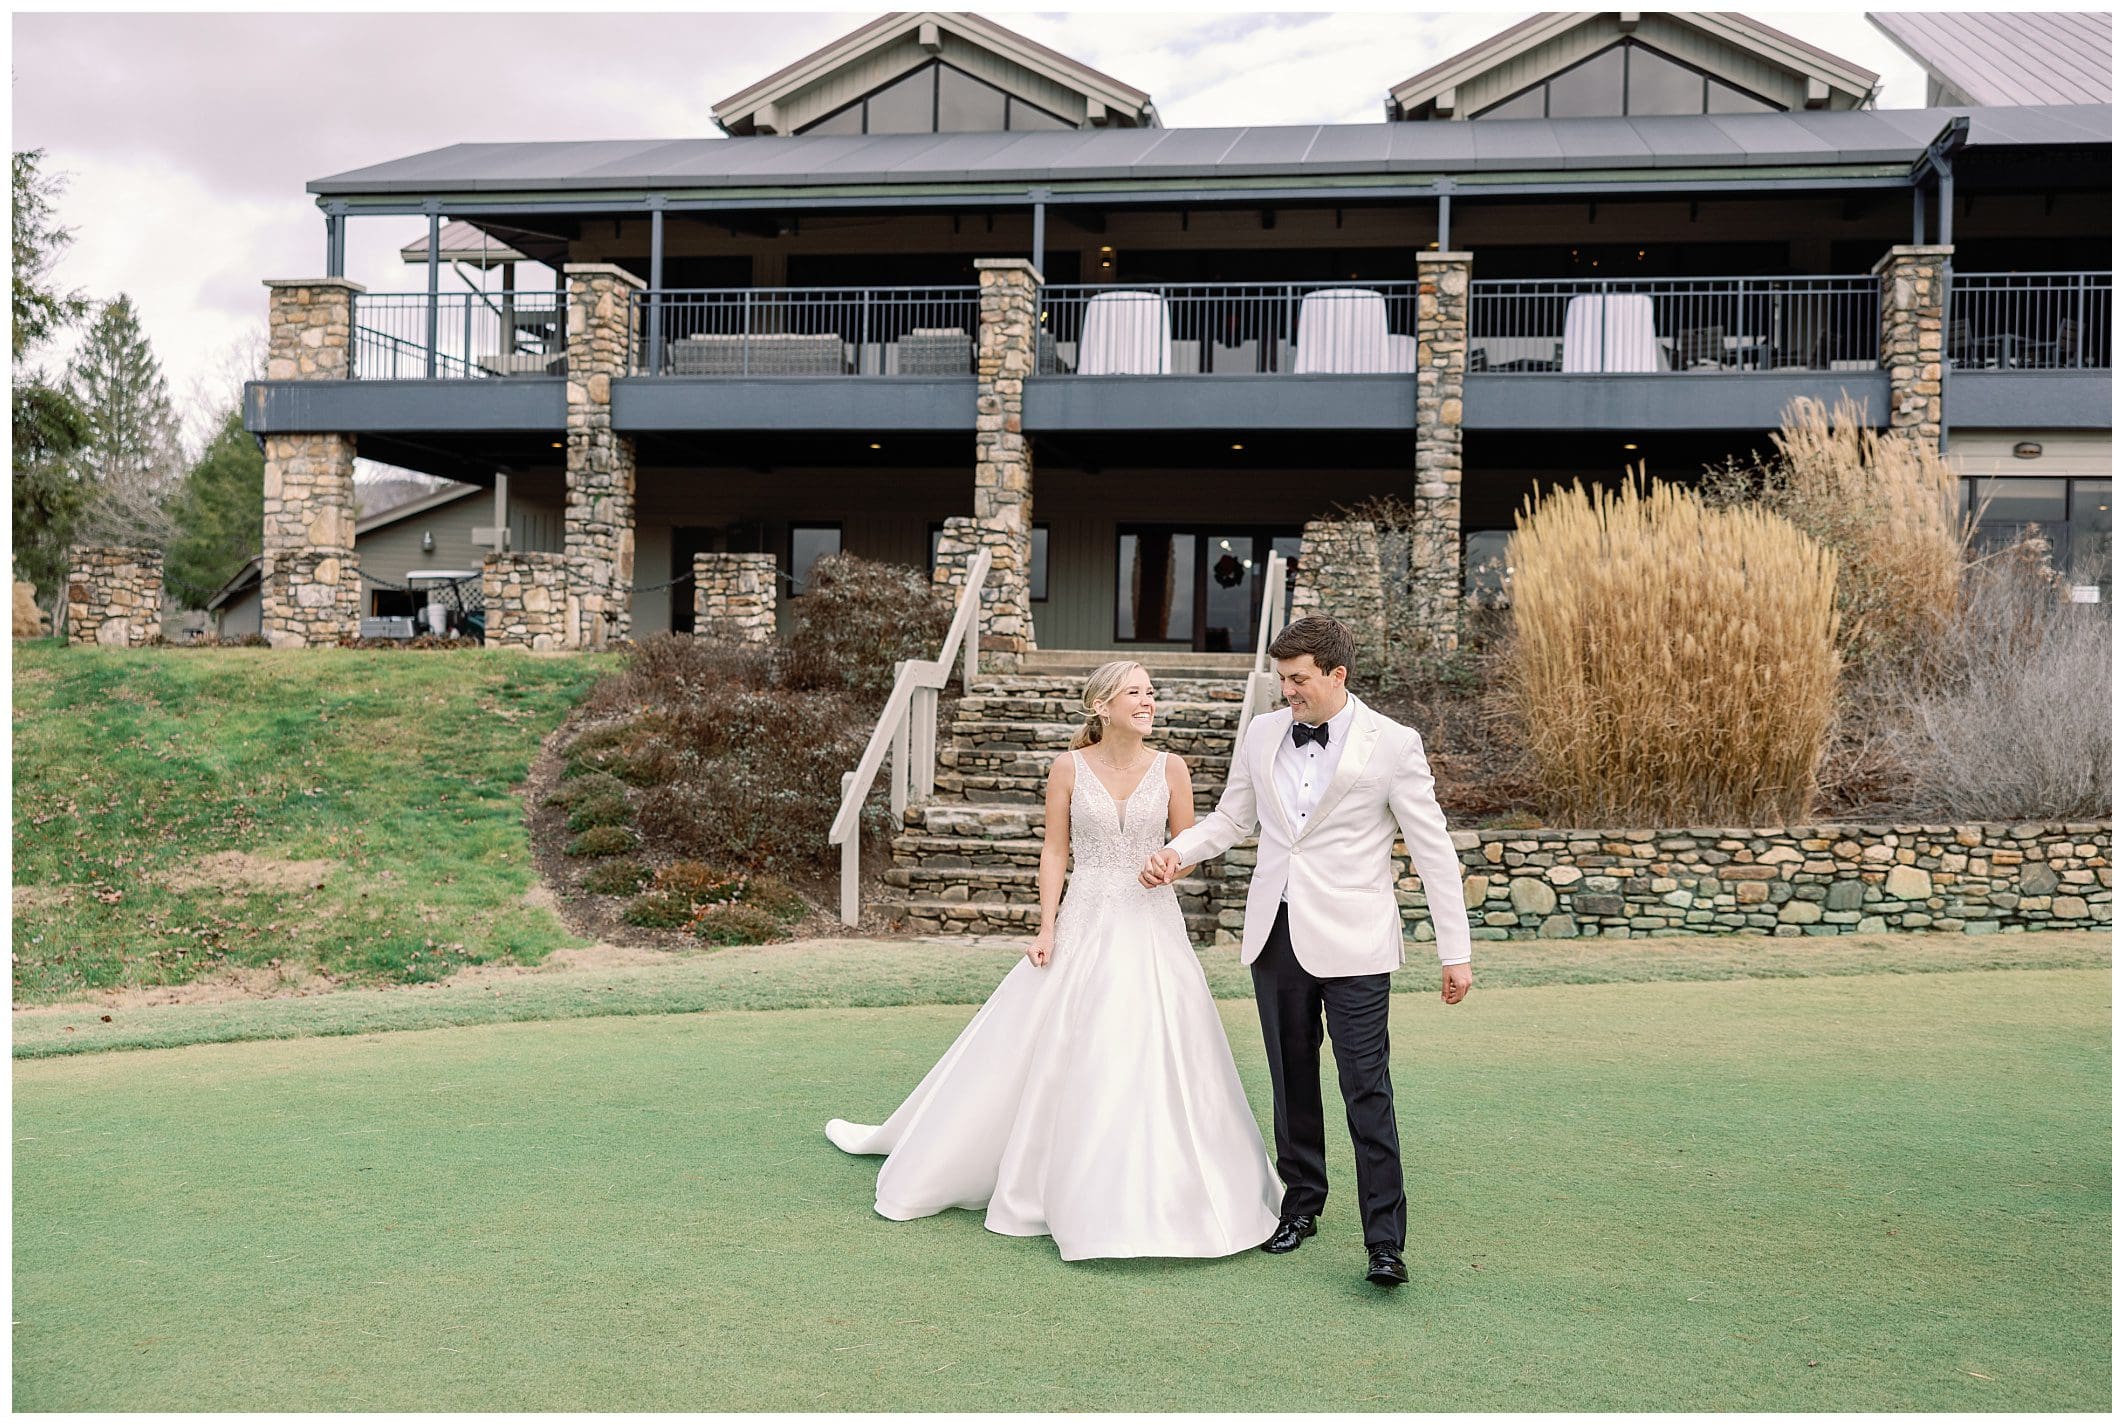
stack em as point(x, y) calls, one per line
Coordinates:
point(1265, 770)
point(1364, 736)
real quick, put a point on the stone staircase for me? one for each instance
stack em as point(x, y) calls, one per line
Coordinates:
point(967, 861)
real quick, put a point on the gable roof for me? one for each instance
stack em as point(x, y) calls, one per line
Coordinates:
point(465, 243)
point(1777, 47)
point(2025, 57)
point(754, 109)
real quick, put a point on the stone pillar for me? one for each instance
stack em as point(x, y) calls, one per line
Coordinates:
point(1441, 367)
point(1913, 307)
point(734, 597)
point(113, 595)
point(310, 586)
point(1338, 575)
point(531, 600)
point(599, 530)
point(1010, 318)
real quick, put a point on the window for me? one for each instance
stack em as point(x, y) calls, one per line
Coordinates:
point(1482, 564)
point(2087, 554)
point(395, 603)
point(937, 99)
point(1154, 600)
point(1039, 557)
point(1628, 77)
point(807, 544)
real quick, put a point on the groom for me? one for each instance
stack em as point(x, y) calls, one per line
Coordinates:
point(1328, 780)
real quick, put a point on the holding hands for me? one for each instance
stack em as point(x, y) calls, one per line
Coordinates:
point(1162, 869)
point(1042, 948)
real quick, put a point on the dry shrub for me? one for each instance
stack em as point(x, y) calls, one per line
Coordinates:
point(1885, 505)
point(1671, 663)
point(615, 878)
point(660, 910)
point(699, 880)
point(587, 787)
point(604, 841)
point(2015, 724)
point(599, 811)
point(738, 925)
point(856, 619)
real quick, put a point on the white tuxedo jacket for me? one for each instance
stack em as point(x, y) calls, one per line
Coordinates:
point(1340, 867)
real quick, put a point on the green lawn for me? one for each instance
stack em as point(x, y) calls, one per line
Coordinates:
point(145, 778)
point(1847, 1192)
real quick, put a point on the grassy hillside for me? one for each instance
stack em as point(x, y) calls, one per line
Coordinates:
point(185, 811)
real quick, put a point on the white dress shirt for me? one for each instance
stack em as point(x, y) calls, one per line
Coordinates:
point(1302, 773)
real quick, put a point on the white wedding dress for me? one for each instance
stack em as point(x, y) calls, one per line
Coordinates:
point(1093, 1100)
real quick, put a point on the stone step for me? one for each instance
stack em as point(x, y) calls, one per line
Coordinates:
point(1044, 707)
point(1003, 735)
point(1071, 690)
point(1014, 885)
point(1158, 663)
point(991, 840)
point(932, 917)
point(1028, 788)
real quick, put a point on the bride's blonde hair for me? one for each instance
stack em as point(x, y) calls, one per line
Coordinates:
point(1105, 681)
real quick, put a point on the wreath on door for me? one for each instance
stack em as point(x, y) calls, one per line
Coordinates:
point(1229, 571)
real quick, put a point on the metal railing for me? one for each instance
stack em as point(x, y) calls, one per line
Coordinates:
point(907, 733)
point(412, 336)
point(2028, 321)
point(1244, 329)
point(1263, 687)
point(806, 331)
point(1693, 324)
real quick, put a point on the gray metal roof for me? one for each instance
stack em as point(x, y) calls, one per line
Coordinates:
point(2026, 57)
point(1807, 139)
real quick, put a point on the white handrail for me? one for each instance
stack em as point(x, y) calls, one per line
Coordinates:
point(907, 729)
point(1262, 685)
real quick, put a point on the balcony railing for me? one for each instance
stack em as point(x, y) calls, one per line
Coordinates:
point(2028, 321)
point(411, 336)
point(1690, 324)
point(806, 331)
point(1225, 329)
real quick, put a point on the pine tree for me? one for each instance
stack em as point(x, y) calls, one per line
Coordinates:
point(48, 423)
point(132, 458)
point(219, 511)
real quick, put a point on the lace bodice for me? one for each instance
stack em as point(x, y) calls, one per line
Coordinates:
point(1107, 835)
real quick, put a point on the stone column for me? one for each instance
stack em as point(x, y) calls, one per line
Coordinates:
point(1010, 319)
point(310, 588)
point(1441, 367)
point(113, 595)
point(530, 601)
point(599, 529)
point(1338, 575)
point(734, 597)
point(1913, 306)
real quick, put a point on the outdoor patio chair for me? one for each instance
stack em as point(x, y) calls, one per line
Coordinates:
point(936, 351)
point(1125, 334)
point(1700, 346)
point(1959, 345)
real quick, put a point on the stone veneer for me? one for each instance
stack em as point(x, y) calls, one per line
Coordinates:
point(310, 584)
point(1338, 575)
point(734, 596)
point(1441, 372)
point(1913, 305)
point(1003, 474)
point(599, 518)
point(113, 595)
point(1977, 878)
point(531, 601)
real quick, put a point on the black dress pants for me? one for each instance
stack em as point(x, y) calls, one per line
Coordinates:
point(1291, 1000)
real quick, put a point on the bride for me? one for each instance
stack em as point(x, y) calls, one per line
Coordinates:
point(1093, 1098)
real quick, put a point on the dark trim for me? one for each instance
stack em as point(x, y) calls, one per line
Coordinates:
point(789, 543)
point(936, 101)
point(1626, 44)
point(2029, 400)
point(1325, 403)
point(523, 403)
point(1673, 400)
point(850, 403)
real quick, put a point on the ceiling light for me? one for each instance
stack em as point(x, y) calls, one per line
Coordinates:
point(875, 446)
point(1104, 248)
point(560, 445)
point(1627, 445)
point(1237, 446)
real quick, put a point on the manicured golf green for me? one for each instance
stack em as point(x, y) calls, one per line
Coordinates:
point(1851, 1193)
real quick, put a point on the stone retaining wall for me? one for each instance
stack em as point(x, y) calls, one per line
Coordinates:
point(1976, 879)
point(113, 595)
point(734, 596)
point(531, 600)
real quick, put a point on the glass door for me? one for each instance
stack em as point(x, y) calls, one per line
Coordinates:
point(1192, 586)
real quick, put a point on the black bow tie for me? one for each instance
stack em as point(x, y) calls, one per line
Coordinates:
point(1302, 733)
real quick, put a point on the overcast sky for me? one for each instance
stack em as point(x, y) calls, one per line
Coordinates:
point(186, 140)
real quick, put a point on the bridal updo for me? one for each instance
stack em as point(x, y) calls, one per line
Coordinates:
point(1105, 681)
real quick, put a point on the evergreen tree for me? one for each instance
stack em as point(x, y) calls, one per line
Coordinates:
point(49, 424)
point(219, 511)
point(132, 457)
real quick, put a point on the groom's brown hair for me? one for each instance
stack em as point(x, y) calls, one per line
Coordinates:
point(1328, 640)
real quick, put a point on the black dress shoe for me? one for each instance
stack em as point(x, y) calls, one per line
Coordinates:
point(1384, 1266)
point(1290, 1231)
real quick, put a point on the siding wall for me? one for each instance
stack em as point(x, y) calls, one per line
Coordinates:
point(2080, 453)
point(1738, 66)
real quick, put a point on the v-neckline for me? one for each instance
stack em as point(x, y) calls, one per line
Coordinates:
point(1120, 803)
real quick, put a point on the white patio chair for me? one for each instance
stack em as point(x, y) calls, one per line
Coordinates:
point(1125, 334)
point(1343, 329)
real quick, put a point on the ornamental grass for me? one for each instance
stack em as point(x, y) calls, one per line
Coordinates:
point(1671, 663)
